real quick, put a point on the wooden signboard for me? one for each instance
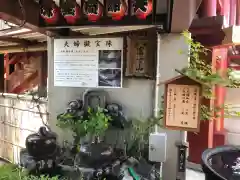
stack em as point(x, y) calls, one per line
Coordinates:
point(140, 56)
point(182, 104)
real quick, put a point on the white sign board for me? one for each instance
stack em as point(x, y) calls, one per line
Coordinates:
point(88, 62)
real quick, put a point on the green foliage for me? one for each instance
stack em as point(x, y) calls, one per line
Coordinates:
point(73, 123)
point(140, 129)
point(95, 123)
point(11, 172)
point(201, 70)
point(42, 177)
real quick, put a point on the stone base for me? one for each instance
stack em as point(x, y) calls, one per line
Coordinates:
point(232, 126)
point(232, 138)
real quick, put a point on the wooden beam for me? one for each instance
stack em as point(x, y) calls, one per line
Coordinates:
point(11, 11)
point(14, 32)
point(24, 85)
point(15, 58)
point(15, 40)
point(21, 48)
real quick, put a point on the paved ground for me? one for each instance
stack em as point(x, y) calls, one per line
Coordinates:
point(194, 175)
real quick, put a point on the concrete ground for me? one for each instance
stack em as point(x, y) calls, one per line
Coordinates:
point(195, 175)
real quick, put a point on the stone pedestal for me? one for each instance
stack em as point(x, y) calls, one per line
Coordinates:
point(232, 127)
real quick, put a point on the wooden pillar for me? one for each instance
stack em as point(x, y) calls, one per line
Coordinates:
point(238, 13)
point(42, 73)
point(1, 72)
point(210, 8)
point(6, 74)
point(226, 12)
point(233, 11)
point(220, 65)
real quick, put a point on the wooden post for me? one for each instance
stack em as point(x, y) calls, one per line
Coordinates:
point(6, 75)
point(2, 73)
point(210, 8)
point(42, 73)
point(221, 63)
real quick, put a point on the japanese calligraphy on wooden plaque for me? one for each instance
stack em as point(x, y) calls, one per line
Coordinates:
point(140, 57)
point(182, 106)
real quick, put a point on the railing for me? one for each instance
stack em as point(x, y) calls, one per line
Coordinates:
point(20, 115)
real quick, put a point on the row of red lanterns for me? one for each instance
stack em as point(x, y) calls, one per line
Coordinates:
point(56, 13)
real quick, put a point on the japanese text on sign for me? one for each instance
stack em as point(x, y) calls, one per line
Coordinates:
point(88, 62)
point(182, 106)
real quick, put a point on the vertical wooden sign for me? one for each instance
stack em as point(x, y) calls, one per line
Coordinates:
point(140, 56)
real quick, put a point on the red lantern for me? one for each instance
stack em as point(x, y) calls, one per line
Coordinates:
point(72, 19)
point(143, 14)
point(54, 17)
point(116, 16)
point(93, 17)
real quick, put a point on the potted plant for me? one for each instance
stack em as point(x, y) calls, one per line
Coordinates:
point(138, 144)
point(92, 124)
point(96, 124)
point(74, 123)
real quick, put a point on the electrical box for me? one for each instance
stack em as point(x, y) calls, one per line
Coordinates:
point(157, 147)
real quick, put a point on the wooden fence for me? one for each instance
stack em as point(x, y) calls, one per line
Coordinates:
point(20, 115)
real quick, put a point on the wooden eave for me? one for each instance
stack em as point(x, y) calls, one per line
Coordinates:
point(15, 41)
point(207, 25)
point(10, 11)
point(212, 29)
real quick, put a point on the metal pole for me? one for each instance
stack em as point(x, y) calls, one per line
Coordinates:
point(184, 137)
point(158, 81)
point(157, 93)
point(161, 171)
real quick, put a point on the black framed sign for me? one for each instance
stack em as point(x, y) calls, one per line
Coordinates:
point(71, 13)
point(182, 158)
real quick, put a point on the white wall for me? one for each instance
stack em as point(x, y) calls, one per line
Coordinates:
point(137, 96)
point(170, 59)
point(232, 124)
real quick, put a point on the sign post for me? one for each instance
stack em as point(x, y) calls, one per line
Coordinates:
point(182, 111)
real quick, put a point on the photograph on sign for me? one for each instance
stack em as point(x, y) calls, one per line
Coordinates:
point(90, 62)
point(110, 68)
point(182, 106)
